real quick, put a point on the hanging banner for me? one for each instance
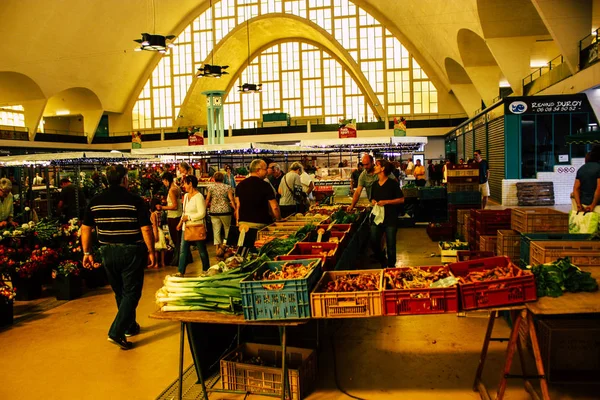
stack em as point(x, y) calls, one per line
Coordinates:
point(136, 140)
point(399, 126)
point(547, 104)
point(347, 128)
point(195, 137)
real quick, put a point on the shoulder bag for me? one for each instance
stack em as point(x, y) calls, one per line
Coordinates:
point(299, 195)
point(193, 232)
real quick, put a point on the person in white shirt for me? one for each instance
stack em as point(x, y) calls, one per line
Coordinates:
point(410, 167)
point(194, 211)
point(308, 184)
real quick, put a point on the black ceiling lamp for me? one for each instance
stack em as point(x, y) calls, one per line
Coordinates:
point(249, 87)
point(211, 70)
point(154, 42)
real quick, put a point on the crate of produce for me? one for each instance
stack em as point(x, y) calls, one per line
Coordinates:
point(543, 220)
point(308, 219)
point(407, 291)
point(276, 232)
point(491, 282)
point(526, 238)
point(344, 228)
point(508, 244)
point(348, 294)
point(322, 210)
point(327, 237)
point(272, 291)
point(256, 368)
point(487, 222)
point(567, 347)
point(431, 193)
point(410, 191)
point(440, 231)
point(462, 187)
point(465, 255)
point(586, 255)
point(328, 252)
point(464, 198)
point(448, 250)
point(488, 243)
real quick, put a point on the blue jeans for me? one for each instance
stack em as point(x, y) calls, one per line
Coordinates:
point(390, 242)
point(184, 251)
point(124, 266)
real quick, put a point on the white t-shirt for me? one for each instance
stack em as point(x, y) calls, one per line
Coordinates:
point(287, 196)
point(306, 180)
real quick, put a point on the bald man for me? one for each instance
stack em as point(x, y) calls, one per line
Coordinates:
point(366, 179)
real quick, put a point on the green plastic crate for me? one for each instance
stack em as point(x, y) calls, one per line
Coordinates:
point(464, 198)
point(430, 193)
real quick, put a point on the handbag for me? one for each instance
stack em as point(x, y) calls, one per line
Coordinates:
point(583, 222)
point(193, 231)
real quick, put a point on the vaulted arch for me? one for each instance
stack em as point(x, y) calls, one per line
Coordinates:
point(462, 86)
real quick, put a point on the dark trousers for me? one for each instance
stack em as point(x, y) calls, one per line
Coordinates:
point(185, 250)
point(390, 241)
point(124, 266)
point(176, 237)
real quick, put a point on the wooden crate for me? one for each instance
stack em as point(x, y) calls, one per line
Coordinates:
point(508, 244)
point(488, 243)
point(586, 255)
point(535, 193)
point(532, 220)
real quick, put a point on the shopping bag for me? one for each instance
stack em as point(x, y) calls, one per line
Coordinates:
point(583, 222)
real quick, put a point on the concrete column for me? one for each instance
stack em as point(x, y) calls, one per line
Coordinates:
point(34, 110)
point(568, 22)
point(91, 119)
point(486, 80)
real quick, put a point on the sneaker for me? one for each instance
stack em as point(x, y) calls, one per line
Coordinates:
point(121, 342)
point(134, 330)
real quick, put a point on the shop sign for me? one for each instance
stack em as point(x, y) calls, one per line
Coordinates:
point(196, 139)
point(547, 104)
point(347, 128)
point(136, 140)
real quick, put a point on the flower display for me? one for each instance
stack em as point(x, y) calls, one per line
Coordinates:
point(7, 294)
point(66, 268)
point(40, 259)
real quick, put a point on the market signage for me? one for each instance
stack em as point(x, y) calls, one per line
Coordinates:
point(136, 140)
point(547, 104)
point(347, 128)
point(195, 137)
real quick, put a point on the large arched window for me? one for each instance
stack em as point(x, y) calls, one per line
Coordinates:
point(398, 81)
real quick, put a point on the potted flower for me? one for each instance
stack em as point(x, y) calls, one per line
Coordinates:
point(28, 273)
point(67, 280)
point(7, 295)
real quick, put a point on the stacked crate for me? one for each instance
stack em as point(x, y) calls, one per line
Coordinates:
point(509, 244)
point(487, 223)
point(463, 192)
point(488, 243)
point(459, 217)
point(539, 220)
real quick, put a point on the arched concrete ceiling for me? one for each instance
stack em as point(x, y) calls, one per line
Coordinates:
point(473, 50)
point(75, 100)
point(456, 73)
point(509, 18)
point(264, 32)
point(16, 88)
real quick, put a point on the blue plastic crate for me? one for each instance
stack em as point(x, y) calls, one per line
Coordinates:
point(464, 198)
point(279, 299)
point(526, 238)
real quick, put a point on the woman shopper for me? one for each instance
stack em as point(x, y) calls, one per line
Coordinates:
point(290, 189)
point(386, 194)
point(419, 173)
point(229, 177)
point(220, 206)
point(174, 210)
point(160, 243)
point(194, 211)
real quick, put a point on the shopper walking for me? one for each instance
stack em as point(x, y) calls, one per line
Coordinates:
point(419, 174)
point(229, 178)
point(160, 242)
point(484, 176)
point(255, 203)
point(122, 223)
point(385, 198)
point(220, 203)
point(174, 209)
point(194, 211)
point(292, 196)
point(586, 190)
point(366, 179)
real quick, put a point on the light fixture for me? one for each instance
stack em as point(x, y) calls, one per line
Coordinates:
point(211, 70)
point(152, 41)
point(249, 87)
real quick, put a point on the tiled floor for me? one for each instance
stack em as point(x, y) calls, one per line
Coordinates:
point(62, 353)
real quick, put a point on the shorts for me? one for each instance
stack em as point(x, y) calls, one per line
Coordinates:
point(484, 188)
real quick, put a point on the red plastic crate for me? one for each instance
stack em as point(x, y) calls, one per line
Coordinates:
point(487, 222)
point(338, 227)
point(486, 294)
point(465, 255)
point(419, 301)
point(443, 231)
point(304, 250)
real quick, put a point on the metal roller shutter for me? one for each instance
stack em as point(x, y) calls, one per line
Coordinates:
point(468, 145)
point(496, 157)
point(460, 147)
point(480, 141)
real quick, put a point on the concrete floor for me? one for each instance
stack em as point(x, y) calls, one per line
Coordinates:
point(62, 353)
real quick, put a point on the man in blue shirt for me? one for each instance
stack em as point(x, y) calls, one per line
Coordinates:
point(484, 176)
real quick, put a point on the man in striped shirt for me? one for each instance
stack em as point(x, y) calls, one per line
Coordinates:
point(124, 231)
